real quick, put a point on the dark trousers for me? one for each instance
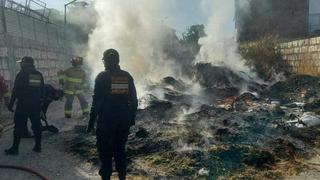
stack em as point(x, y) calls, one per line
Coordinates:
point(111, 142)
point(44, 109)
point(21, 116)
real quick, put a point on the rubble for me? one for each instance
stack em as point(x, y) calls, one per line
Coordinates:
point(216, 76)
point(298, 88)
point(231, 135)
point(310, 120)
point(175, 84)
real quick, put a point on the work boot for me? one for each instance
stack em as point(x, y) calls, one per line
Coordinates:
point(12, 151)
point(105, 178)
point(37, 146)
point(122, 176)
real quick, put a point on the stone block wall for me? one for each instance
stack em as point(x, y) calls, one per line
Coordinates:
point(21, 35)
point(303, 55)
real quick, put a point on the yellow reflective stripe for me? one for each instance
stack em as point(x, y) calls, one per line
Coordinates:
point(7, 94)
point(35, 80)
point(74, 80)
point(72, 92)
point(86, 110)
point(67, 112)
point(79, 92)
point(68, 92)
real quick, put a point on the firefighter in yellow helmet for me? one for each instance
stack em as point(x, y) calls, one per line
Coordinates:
point(73, 81)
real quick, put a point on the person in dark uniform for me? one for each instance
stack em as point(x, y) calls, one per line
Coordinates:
point(28, 91)
point(50, 94)
point(115, 104)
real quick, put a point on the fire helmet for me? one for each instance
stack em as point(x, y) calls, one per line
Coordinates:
point(76, 61)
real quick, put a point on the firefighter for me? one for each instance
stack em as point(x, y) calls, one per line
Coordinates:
point(28, 92)
point(4, 92)
point(115, 104)
point(73, 81)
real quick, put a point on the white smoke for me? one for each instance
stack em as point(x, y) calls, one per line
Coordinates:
point(134, 28)
point(219, 47)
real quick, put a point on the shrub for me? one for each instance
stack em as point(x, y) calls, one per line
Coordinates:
point(265, 58)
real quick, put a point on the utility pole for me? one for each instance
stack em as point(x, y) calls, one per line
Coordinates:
point(65, 10)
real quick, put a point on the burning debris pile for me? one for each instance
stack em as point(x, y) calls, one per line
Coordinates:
point(207, 118)
point(222, 132)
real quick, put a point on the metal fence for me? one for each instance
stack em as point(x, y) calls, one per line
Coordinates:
point(25, 32)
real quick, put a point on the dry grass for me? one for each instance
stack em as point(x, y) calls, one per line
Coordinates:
point(164, 164)
point(263, 57)
point(279, 170)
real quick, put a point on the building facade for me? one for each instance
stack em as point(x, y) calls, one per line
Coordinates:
point(286, 18)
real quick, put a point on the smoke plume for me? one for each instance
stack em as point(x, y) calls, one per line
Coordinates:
point(219, 47)
point(134, 28)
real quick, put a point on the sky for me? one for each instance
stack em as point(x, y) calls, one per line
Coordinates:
point(314, 6)
point(179, 15)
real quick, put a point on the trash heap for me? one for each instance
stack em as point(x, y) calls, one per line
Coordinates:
point(221, 131)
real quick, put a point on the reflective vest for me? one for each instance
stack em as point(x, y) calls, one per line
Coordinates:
point(73, 80)
point(61, 77)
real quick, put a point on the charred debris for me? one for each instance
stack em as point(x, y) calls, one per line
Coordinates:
point(221, 131)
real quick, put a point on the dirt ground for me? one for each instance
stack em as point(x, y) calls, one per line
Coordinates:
point(54, 162)
point(57, 163)
point(311, 174)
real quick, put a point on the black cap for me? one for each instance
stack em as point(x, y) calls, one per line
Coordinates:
point(111, 55)
point(26, 59)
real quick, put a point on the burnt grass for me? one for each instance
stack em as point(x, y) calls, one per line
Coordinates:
point(171, 140)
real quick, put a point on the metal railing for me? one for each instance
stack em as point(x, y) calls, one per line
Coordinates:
point(42, 14)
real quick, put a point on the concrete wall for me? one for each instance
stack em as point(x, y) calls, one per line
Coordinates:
point(303, 55)
point(22, 35)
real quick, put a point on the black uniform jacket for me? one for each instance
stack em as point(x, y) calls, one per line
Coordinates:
point(114, 97)
point(28, 88)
